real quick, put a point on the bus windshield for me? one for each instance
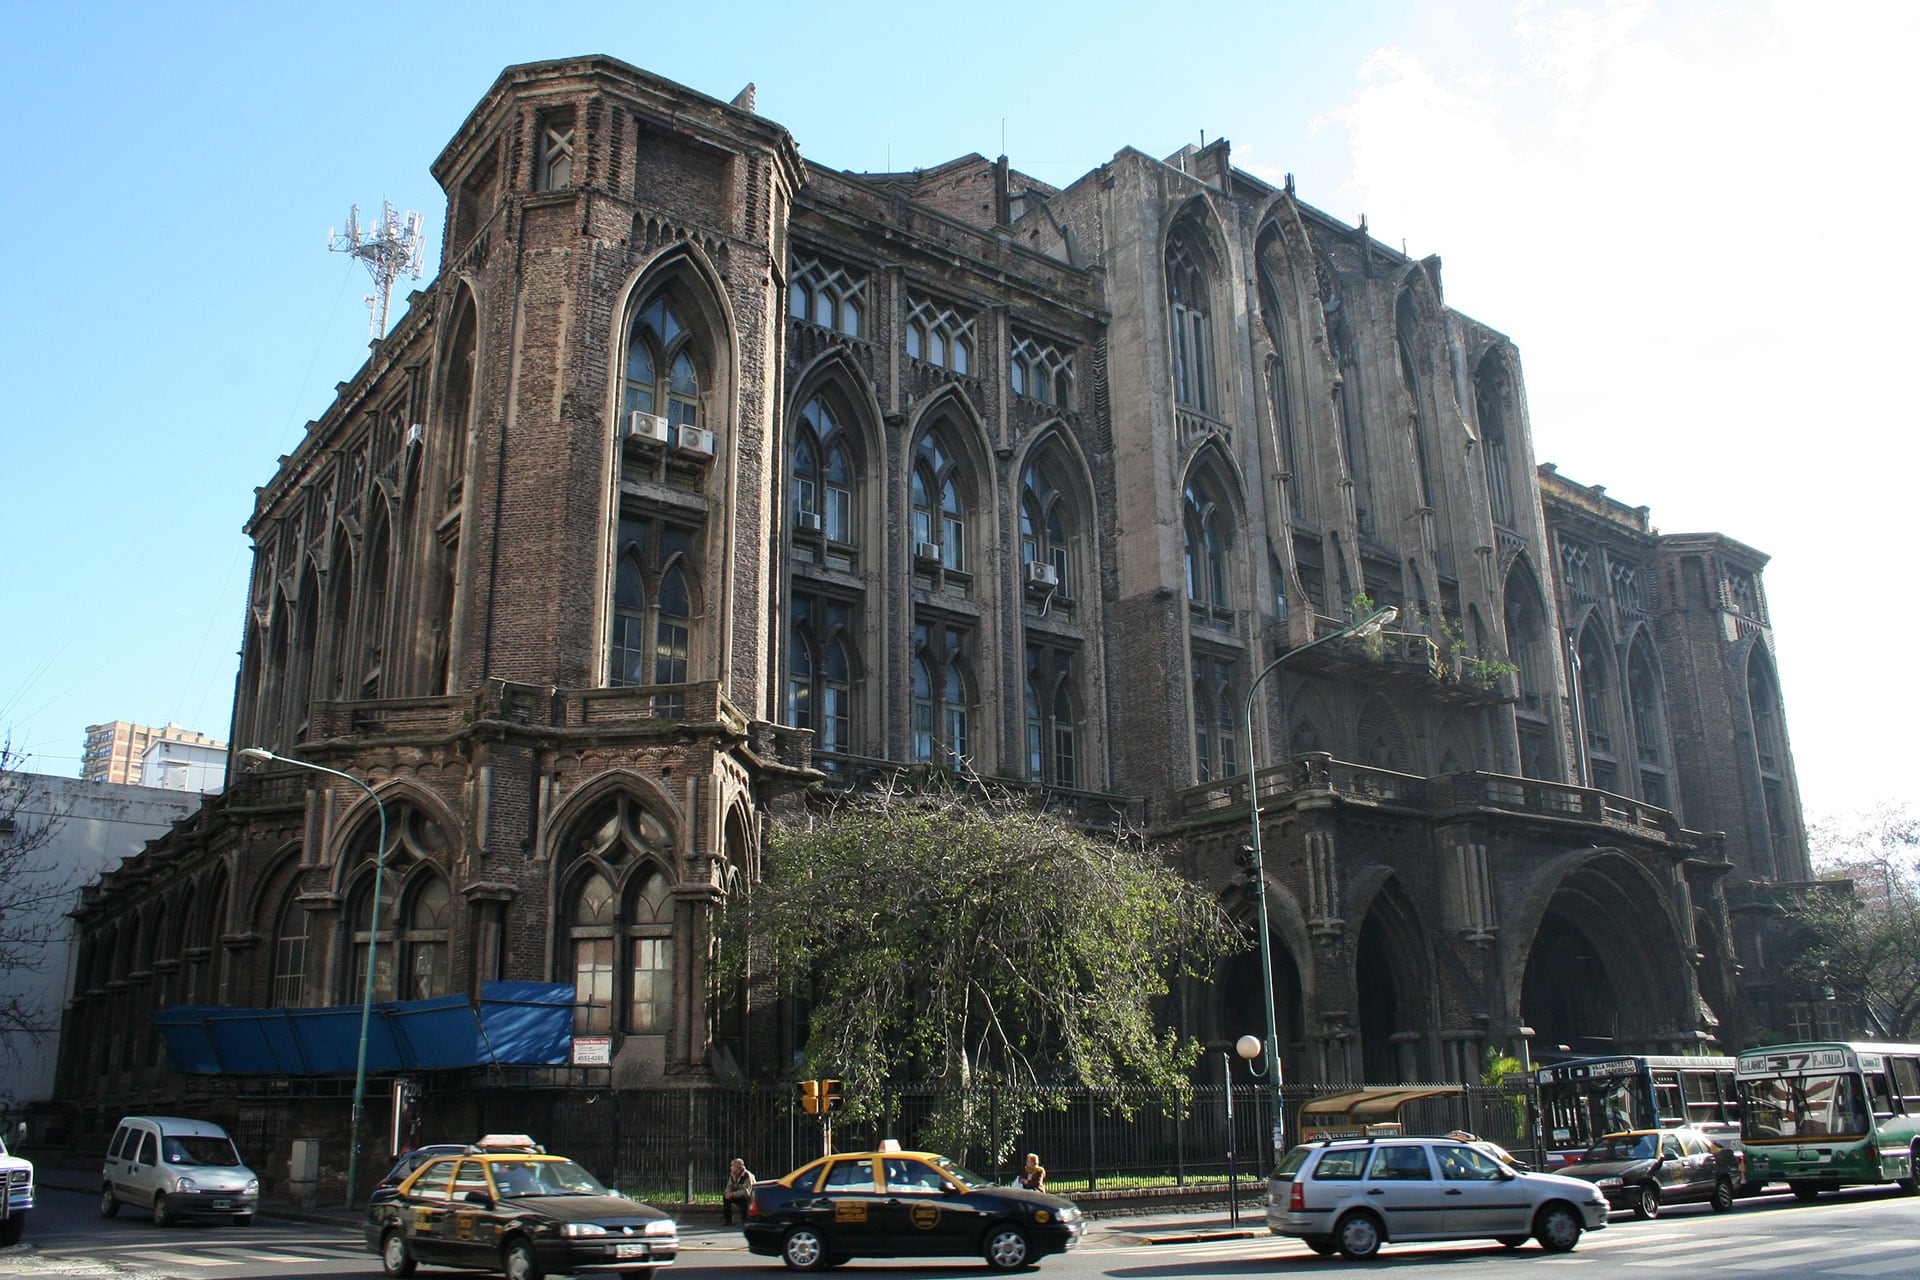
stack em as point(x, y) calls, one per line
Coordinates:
point(1803, 1107)
point(1579, 1111)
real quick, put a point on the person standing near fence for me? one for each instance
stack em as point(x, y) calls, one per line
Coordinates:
point(739, 1192)
point(1034, 1175)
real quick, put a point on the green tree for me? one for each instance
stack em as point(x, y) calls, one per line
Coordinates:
point(1863, 943)
point(961, 938)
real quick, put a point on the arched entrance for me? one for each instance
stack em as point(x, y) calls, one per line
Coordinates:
point(1239, 1010)
point(1606, 971)
point(1390, 983)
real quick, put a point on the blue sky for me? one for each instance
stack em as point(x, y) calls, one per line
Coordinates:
point(1687, 215)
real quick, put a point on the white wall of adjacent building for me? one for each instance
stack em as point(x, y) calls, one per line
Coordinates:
point(172, 765)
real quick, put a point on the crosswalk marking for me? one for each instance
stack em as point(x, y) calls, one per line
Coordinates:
point(183, 1259)
point(1825, 1254)
point(1876, 1268)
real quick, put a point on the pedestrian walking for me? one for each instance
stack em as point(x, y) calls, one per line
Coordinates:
point(739, 1192)
point(1034, 1175)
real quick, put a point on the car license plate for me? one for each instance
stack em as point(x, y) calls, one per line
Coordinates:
point(629, 1251)
point(223, 1204)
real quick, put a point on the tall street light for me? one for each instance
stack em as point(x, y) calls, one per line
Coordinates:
point(373, 945)
point(1364, 627)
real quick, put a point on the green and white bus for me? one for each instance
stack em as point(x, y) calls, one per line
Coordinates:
point(1822, 1116)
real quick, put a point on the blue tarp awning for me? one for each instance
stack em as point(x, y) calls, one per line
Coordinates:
point(527, 1023)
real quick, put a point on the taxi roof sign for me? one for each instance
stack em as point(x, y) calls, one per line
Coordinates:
point(509, 1142)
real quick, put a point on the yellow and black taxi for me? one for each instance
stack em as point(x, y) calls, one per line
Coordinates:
point(505, 1205)
point(904, 1204)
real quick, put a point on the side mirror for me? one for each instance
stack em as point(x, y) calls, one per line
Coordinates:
point(1506, 1174)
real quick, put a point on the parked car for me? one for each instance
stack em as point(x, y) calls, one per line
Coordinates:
point(176, 1167)
point(1643, 1169)
point(16, 1195)
point(904, 1204)
point(1353, 1196)
point(520, 1212)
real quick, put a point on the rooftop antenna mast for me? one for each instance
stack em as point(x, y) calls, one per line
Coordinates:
point(390, 247)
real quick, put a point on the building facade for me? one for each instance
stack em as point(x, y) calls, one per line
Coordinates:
point(117, 751)
point(702, 473)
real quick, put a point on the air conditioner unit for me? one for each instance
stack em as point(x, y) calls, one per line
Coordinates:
point(927, 552)
point(415, 434)
point(646, 428)
point(695, 440)
point(1041, 575)
point(808, 521)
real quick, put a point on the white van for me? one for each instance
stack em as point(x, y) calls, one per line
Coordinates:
point(176, 1167)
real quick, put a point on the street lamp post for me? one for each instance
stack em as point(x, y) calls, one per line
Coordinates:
point(373, 944)
point(1366, 626)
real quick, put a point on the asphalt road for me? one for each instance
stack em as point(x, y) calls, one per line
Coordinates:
point(1868, 1233)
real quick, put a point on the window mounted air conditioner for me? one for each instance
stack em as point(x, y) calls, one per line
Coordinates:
point(927, 552)
point(1042, 576)
point(808, 522)
point(695, 440)
point(646, 428)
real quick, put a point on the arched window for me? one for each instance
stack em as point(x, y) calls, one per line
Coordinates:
point(1596, 705)
point(940, 696)
point(1052, 717)
point(939, 334)
point(1527, 650)
point(1649, 720)
point(1407, 329)
point(1492, 391)
point(939, 502)
point(591, 920)
point(823, 475)
point(1045, 531)
point(290, 954)
point(820, 674)
point(457, 410)
point(650, 948)
point(373, 627)
point(424, 942)
point(1041, 370)
point(1280, 401)
point(1270, 260)
point(1763, 699)
point(830, 296)
point(650, 638)
point(1188, 304)
point(663, 368)
point(374, 935)
point(1207, 547)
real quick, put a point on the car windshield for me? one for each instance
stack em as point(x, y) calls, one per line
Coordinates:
point(519, 1179)
point(1623, 1146)
point(967, 1178)
point(199, 1151)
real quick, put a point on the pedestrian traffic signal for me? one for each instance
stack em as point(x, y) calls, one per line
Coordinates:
point(821, 1097)
point(830, 1096)
point(810, 1097)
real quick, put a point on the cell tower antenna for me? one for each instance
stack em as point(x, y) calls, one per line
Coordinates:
point(391, 247)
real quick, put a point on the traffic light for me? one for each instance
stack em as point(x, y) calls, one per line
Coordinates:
point(810, 1097)
point(1243, 860)
point(830, 1097)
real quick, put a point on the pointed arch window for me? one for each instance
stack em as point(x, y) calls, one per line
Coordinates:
point(290, 955)
point(1041, 370)
point(429, 915)
point(1491, 397)
point(1207, 546)
point(663, 366)
point(939, 334)
point(366, 936)
point(940, 696)
point(1764, 701)
point(1048, 528)
point(1407, 328)
point(373, 627)
point(940, 514)
point(820, 674)
point(591, 921)
point(830, 296)
point(458, 412)
point(650, 955)
point(650, 638)
point(823, 474)
point(1052, 716)
point(1187, 301)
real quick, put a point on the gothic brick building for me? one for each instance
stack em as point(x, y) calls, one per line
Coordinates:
point(701, 473)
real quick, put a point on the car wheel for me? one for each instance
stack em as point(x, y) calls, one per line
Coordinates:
point(162, 1215)
point(109, 1203)
point(1321, 1245)
point(1646, 1201)
point(1357, 1235)
point(1722, 1199)
point(1511, 1242)
point(1007, 1248)
point(11, 1228)
point(395, 1256)
point(803, 1250)
point(519, 1262)
point(1911, 1183)
point(1804, 1190)
point(1557, 1228)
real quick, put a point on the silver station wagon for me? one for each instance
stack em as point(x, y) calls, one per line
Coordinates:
point(1352, 1197)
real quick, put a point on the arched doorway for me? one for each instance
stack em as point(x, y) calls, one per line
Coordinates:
point(1390, 985)
point(1239, 1009)
point(1606, 971)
